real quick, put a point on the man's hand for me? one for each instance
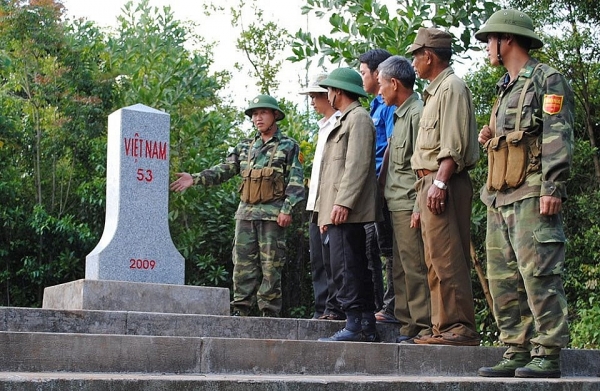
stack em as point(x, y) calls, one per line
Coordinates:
point(183, 181)
point(485, 134)
point(415, 220)
point(284, 220)
point(550, 205)
point(436, 200)
point(339, 214)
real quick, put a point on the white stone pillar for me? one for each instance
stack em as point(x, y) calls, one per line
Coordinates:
point(136, 244)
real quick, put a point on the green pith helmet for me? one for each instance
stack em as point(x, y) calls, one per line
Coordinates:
point(510, 21)
point(346, 79)
point(265, 102)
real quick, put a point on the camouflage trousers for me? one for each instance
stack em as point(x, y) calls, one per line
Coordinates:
point(525, 261)
point(258, 259)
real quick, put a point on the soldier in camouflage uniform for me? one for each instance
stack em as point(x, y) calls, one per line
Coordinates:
point(269, 163)
point(529, 143)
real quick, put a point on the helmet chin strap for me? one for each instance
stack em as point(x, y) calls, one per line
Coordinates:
point(333, 101)
point(274, 121)
point(498, 50)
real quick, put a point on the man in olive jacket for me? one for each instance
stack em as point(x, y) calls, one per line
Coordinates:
point(347, 199)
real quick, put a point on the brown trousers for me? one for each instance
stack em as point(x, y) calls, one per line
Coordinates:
point(446, 239)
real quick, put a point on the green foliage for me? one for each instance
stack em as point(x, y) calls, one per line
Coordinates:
point(585, 333)
point(53, 102)
point(360, 25)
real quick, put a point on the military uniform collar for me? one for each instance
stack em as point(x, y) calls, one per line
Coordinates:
point(526, 72)
point(276, 137)
point(437, 82)
point(401, 111)
point(350, 107)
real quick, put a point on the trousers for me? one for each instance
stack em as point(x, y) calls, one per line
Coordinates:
point(525, 257)
point(349, 265)
point(446, 240)
point(258, 259)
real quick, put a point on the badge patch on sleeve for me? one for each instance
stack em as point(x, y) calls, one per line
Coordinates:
point(553, 104)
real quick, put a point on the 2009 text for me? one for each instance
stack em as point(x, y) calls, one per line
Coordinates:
point(143, 264)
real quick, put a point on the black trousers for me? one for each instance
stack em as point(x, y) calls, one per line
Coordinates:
point(317, 267)
point(349, 265)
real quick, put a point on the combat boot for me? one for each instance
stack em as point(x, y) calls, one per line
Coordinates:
point(507, 366)
point(541, 366)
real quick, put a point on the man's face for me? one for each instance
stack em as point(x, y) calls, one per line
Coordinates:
point(421, 62)
point(369, 79)
point(263, 119)
point(319, 102)
point(492, 49)
point(387, 90)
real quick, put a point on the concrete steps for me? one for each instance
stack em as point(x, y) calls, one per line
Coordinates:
point(66, 381)
point(111, 350)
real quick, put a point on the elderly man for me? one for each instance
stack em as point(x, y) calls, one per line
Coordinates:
point(396, 82)
point(347, 199)
point(445, 150)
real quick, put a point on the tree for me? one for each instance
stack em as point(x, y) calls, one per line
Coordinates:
point(262, 43)
point(53, 108)
point(361, 25)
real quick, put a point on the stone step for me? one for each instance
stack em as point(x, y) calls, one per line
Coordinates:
point(66, 381)
point(51, 352)
point(165, 324)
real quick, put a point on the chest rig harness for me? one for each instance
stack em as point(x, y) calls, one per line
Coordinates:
point(261, 185)
point(514, 155)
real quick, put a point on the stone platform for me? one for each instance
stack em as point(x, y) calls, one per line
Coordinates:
point(109, 295)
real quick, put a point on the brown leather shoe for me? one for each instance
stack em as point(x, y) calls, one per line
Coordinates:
point(422, 339)
point(448, 338)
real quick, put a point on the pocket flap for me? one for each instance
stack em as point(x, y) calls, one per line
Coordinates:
point(494, 143)
point(267, 171)
point(549, 235)
point(256, 173)
point(515, 137)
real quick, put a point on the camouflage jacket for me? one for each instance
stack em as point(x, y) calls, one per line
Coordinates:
point(286, 161)
point(548, 114)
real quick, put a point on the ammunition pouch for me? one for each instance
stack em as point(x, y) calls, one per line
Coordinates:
point(497, 150)
point(510, 159)
point(261, 184)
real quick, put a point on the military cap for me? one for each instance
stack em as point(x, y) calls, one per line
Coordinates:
point(431, 38)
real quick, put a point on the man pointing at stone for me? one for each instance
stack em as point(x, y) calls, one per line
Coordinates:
point(272, 185)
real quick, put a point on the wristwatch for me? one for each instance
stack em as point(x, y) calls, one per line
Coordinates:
point(440, 184)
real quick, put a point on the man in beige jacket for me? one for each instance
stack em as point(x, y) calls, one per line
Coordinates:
point(347, 199)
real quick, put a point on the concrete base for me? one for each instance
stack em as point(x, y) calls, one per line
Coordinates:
point(108, 295)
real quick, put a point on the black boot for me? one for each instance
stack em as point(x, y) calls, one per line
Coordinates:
point(369, 327)
point(351, 333)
